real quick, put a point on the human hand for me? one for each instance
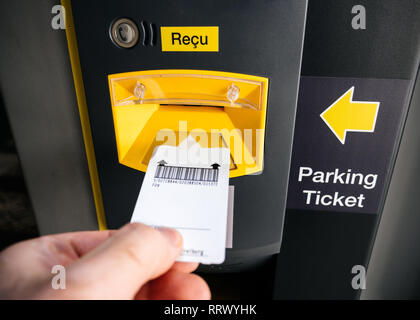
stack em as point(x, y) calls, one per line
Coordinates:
point(134, 262)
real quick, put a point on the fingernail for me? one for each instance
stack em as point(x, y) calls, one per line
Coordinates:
point(172, 235)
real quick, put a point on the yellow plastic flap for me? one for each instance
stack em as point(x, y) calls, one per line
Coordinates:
point(165, 106)
point(187, 88)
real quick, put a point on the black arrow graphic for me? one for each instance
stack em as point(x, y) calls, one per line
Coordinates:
point(215, 166)
point(162, 163)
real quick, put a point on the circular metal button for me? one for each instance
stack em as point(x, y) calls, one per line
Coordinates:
point(124, 33)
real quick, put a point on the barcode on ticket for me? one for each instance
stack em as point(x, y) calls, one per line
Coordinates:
point(187, 173)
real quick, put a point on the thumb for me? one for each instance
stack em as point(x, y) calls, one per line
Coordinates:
point(120, 266)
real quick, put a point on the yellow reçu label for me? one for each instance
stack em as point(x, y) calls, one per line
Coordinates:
point(190, 38)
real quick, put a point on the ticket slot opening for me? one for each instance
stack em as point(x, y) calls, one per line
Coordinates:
point(219, 109)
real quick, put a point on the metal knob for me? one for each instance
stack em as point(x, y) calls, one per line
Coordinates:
point(124, 33)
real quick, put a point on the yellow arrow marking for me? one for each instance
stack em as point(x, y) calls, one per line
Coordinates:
point(346, 115)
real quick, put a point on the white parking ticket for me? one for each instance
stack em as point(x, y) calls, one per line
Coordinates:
point(186, 188)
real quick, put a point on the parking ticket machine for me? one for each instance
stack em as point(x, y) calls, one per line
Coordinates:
point(310, 97)
point(225, 73)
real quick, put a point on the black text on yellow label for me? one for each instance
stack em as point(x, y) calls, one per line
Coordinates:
point(190, 38)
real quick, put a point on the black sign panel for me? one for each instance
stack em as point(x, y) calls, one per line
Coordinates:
point(345, 135)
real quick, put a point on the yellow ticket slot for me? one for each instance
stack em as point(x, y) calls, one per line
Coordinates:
point(165, 106)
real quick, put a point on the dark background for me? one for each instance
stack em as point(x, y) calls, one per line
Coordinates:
point(17, 220)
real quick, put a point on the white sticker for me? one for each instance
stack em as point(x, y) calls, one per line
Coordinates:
point(186, 188)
